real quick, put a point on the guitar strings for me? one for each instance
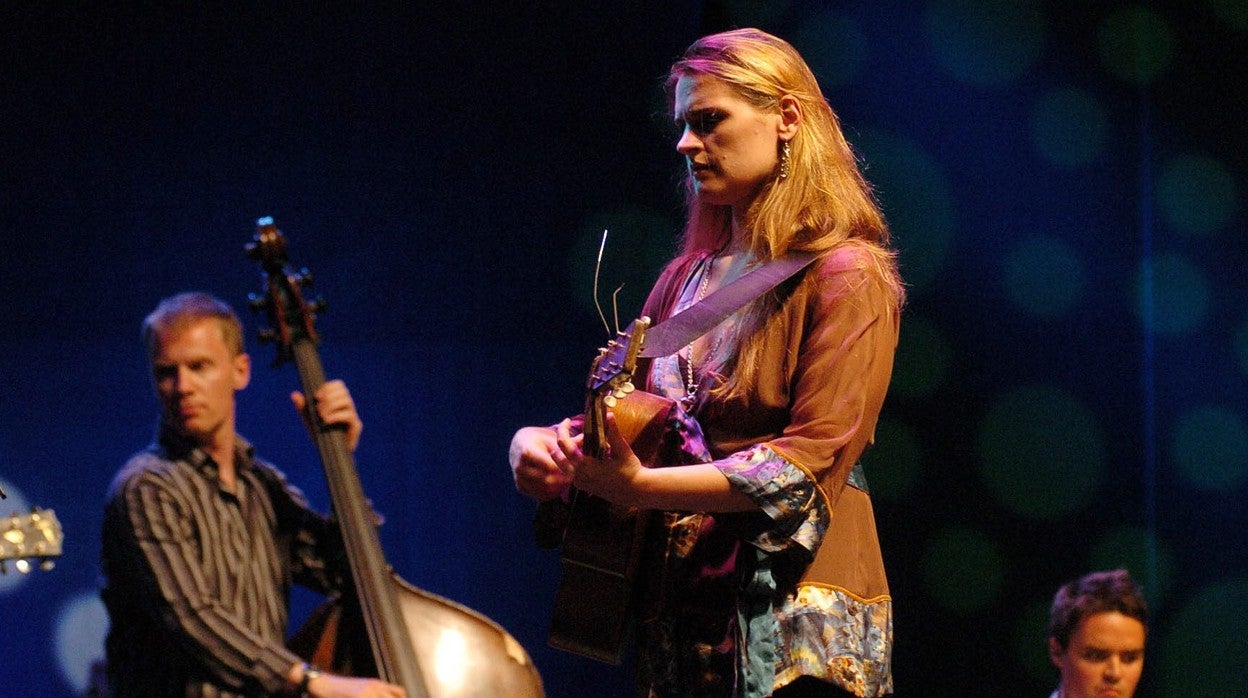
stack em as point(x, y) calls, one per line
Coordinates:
point(615, 306)
point(598, 270)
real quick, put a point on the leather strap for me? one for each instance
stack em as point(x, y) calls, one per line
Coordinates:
point(669, 336)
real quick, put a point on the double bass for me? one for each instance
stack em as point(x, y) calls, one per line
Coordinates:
point(383, 626)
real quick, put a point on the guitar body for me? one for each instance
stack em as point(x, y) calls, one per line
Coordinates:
point(602, 546)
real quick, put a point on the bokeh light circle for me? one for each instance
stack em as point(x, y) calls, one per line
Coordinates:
point(1031, 642)
point(1068, 127)
point(1044, 275)
point(1135, 44)
point(81, 627)
point(1204, 649)
point(1149, 560)
point(1173, 295)
point(894, 463)
point(834, 47)
point(1043, 452)
point(962, 569)
point(1196, 195)
point(1233, 12)
point(1241, 347)
point(638, 244)
point(914, 193)
point(921, 365)
point(985, 42)
point(1210, 448)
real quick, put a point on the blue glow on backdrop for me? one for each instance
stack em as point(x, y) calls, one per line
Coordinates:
point(1065, 181)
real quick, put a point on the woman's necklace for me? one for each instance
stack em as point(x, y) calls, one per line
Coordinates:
point(691, 385)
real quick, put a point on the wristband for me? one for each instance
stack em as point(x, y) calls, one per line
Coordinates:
point(309, 672)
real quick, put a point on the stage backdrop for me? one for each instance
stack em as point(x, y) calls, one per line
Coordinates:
point(1065, 181)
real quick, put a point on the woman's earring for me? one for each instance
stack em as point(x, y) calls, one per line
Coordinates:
point(784, 161)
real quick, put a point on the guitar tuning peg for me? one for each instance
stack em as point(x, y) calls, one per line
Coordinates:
point(22, 566)
point(627, 387)
point(4, 568)
point(305, 278)
point(46, 565)
point(319, 306)
point(609, 400)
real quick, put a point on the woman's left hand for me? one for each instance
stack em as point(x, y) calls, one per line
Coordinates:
point(613, 477)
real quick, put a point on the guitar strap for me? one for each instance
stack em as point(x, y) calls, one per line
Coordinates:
point(669, 336)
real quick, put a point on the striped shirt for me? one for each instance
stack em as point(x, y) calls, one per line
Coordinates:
point(197, 579)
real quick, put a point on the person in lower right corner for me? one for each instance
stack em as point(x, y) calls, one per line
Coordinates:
point(1097, 629)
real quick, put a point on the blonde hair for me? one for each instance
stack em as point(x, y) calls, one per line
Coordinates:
point(824, 203)
point(176, 313)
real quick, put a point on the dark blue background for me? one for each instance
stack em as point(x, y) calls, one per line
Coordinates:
point(440, 168)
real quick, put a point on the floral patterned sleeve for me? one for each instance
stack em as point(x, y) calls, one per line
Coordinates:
point(784, 492)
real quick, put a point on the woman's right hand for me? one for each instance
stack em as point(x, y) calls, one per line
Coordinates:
point(533, 466)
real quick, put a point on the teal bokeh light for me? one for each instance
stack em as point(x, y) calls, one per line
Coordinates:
point(1031, 645)
point(1233, 12)
point(1149, 560)
point(985, 42)
point(1204, 649)
point(1173, 295)
point(1210, 448)
point(1197, 195)
point(1044, 275)
point(638, 243)
point(923, 356)
point(1241, 347)
point(962, 569)
point(914, 192)
point(1043, 452)
point(1135, 44)
point(834, 47)
point(894, 464)
point(1068, 127)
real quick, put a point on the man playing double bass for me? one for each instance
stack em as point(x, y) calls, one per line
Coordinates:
point(202, 539)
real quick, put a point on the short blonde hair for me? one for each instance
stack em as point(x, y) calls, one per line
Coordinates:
point(183, 310)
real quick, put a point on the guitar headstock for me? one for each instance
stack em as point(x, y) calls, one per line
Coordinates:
point(33, 536)
point(610, 379)
point(291, 317)
point(616, 362)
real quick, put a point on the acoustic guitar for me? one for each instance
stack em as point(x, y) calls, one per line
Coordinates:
point(601, 541)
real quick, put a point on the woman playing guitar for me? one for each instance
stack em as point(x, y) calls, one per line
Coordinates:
point(761, 572)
